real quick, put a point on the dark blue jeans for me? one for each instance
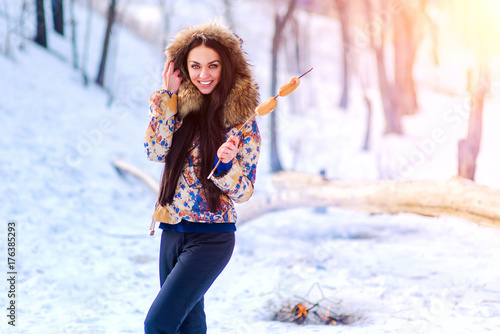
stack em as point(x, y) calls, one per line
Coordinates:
point(189, 264)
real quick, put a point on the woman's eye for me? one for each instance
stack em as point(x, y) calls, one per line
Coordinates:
point(195, 67)
point(213, 66)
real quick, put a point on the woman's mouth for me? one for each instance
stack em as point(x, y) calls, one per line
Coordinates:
point(205, 83)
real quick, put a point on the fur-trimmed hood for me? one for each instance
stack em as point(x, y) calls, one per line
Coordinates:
point(244, 96)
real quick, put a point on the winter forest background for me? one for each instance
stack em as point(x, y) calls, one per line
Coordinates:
point(404, 96)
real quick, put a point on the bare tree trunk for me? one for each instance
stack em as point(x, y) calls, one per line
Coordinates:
point(228, 12)
point(275, 159)
point(41, 32)
point(24, 7)
point(369, 113)
point(403, 64)
point(111, 20)
point(389, 102)
point(369, 117)
point(468, 148)
point(86, 46)
point(8, 29)
point(166, 7)
point(280, 22)
point(58, 16)
point(112, 56)
point(297, 51)
point(342, 8)
point(303, 44)
point(407, 38)
point(73, 33)
point(291, 46)
point(292, 49)
point(392, 116)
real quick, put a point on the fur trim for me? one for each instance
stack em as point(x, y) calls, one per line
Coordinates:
point(243, 98)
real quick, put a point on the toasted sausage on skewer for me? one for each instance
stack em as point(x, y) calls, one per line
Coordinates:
point(289, 87)
point(266, 107)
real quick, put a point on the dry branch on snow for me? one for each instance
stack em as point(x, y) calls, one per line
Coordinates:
point(125, 167)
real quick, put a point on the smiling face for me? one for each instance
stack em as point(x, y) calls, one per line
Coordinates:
point(205, 68)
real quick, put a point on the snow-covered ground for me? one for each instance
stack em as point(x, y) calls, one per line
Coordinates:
point(86, 262)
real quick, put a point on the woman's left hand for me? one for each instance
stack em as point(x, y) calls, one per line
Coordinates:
point(171, 80)
point(229, 149)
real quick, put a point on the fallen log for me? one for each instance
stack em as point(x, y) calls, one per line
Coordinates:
point(455, 197)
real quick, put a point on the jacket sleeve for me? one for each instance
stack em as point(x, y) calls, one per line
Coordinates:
point(238, 182)
point(162, 125)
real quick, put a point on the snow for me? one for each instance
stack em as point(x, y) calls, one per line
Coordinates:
point(86, 261)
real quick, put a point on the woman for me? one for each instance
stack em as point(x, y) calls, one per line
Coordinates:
point(207, 92)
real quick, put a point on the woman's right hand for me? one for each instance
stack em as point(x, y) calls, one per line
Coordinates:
point(171, 79)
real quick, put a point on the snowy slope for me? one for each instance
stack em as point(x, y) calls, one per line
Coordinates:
point(87, 264)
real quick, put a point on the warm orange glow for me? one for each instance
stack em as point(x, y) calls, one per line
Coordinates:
point(327, 313)
point(478, 22)
point(301, 311)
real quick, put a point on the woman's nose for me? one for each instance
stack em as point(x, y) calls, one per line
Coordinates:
point(204, 73)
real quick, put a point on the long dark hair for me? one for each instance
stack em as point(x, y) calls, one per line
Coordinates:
point(207, 123)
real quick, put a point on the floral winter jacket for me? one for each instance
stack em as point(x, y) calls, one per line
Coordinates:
point(190, 202)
